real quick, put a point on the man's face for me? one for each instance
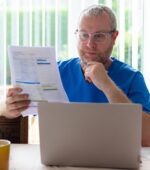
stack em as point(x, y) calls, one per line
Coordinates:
point(92, 45)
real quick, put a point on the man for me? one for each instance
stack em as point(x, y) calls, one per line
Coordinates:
point(96, 76)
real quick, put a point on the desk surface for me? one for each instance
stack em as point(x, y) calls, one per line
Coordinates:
point(27, 157)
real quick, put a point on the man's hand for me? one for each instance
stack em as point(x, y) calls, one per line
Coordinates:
point(96, 73)
point(16, 102)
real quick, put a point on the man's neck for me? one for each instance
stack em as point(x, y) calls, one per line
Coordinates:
point(108, 63)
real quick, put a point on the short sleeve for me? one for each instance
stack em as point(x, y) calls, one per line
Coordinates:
point(139, 93)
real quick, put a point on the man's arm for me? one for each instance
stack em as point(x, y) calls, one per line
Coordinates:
point(145, 129)
point(114, 94)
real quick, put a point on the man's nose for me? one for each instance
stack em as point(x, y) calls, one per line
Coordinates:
point(91, 43)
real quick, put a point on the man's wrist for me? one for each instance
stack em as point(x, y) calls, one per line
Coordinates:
point(114, 93)
point(108, 86)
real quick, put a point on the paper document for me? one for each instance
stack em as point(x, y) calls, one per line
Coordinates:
point(35, 70)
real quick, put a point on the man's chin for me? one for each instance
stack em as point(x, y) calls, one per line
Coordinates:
point(88, 59)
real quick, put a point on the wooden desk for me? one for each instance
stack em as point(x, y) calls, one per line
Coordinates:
point(27, 157)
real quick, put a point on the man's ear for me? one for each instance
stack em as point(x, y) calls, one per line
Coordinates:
point(115, 35)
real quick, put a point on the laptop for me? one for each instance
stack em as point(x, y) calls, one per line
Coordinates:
point(90, 134)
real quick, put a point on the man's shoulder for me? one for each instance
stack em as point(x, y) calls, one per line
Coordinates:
point(122, 66)
point(123, 71)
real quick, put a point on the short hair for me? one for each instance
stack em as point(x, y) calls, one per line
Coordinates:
point(97, 10)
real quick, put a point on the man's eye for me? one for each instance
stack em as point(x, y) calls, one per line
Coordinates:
point(99, 36)
point(84, 35)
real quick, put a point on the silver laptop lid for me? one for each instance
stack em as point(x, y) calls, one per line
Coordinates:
point(93, 135)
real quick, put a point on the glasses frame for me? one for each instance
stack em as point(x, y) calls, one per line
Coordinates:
point(91, 35)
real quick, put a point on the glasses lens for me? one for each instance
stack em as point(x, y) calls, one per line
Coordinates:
point(99, 37)
point(83, 36)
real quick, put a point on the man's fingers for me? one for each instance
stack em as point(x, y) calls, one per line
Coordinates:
point(89, 63)
point(13, 91)
point(16, 102)
point(19, 105)
point(16, 113)
point(87, 75)
point(16, 98)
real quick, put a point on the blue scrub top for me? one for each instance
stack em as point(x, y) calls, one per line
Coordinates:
point(125, 77)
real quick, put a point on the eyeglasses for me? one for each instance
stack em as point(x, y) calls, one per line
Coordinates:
point(98, 37)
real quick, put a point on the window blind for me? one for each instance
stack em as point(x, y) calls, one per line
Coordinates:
point(53, 22)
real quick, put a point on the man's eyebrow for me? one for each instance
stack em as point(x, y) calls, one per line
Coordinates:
point(101, 31)
point(82, 30)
